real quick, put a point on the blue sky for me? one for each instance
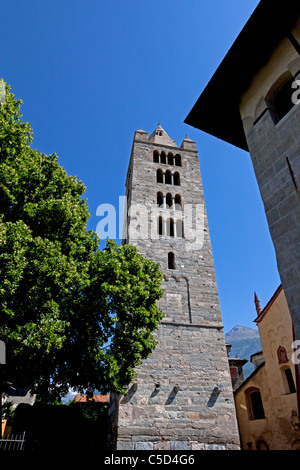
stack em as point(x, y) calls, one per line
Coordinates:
point(90, 73)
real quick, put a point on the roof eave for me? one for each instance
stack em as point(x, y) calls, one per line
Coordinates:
point(216, 111)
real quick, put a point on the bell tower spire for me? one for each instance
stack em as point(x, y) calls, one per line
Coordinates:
point(257, 304)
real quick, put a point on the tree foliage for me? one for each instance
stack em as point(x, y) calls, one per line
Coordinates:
point(71, 315)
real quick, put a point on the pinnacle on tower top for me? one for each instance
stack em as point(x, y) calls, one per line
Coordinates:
point(188, 144)
point(257, 304)
point(159, 136)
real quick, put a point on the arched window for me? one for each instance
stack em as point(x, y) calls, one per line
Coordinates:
point(288, 380)
point(170, 227)
point(159, 176)
point(160, 226)
point(156, 156)
point(257, 406)
point(163, 158)
point(169, 201)
point(283, 99)
point(171, 260)
point(160, 199)
point(176, 177)
point(179, 228)
point(168, 178)
point(254, 404)
point(178, 159)
point(178, 205)
point(170, 159)
point(279, 97)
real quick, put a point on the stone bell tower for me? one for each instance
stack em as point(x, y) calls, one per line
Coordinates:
point(182, 398)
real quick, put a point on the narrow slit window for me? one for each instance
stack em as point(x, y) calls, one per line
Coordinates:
point(171, 260)
point(290, 380)
point(170, 227)
point(291, 173)
point(160, 226)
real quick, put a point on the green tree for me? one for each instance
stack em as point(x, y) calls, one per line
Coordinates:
point(71, 315)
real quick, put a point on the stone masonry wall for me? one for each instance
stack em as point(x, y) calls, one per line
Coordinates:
point(279, 182)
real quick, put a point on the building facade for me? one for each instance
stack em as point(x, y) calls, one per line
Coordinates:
point(236, 369)
point(267, 401)
point(182, 398)
point(260, 113)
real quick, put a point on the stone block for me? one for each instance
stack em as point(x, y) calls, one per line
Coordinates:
point(214, 447)
point(143, 446)
point(125, 445)
point(197, 445)
point(180, 445)
point(162, 445)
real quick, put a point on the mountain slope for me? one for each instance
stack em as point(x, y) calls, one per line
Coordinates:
point(244, 342)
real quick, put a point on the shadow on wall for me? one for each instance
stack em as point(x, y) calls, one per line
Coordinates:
point(214, 396)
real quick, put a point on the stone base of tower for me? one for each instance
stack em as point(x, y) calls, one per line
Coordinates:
point(173, 445)
point(182, 398)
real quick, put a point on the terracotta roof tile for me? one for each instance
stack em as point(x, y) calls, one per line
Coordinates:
point(95, 398)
